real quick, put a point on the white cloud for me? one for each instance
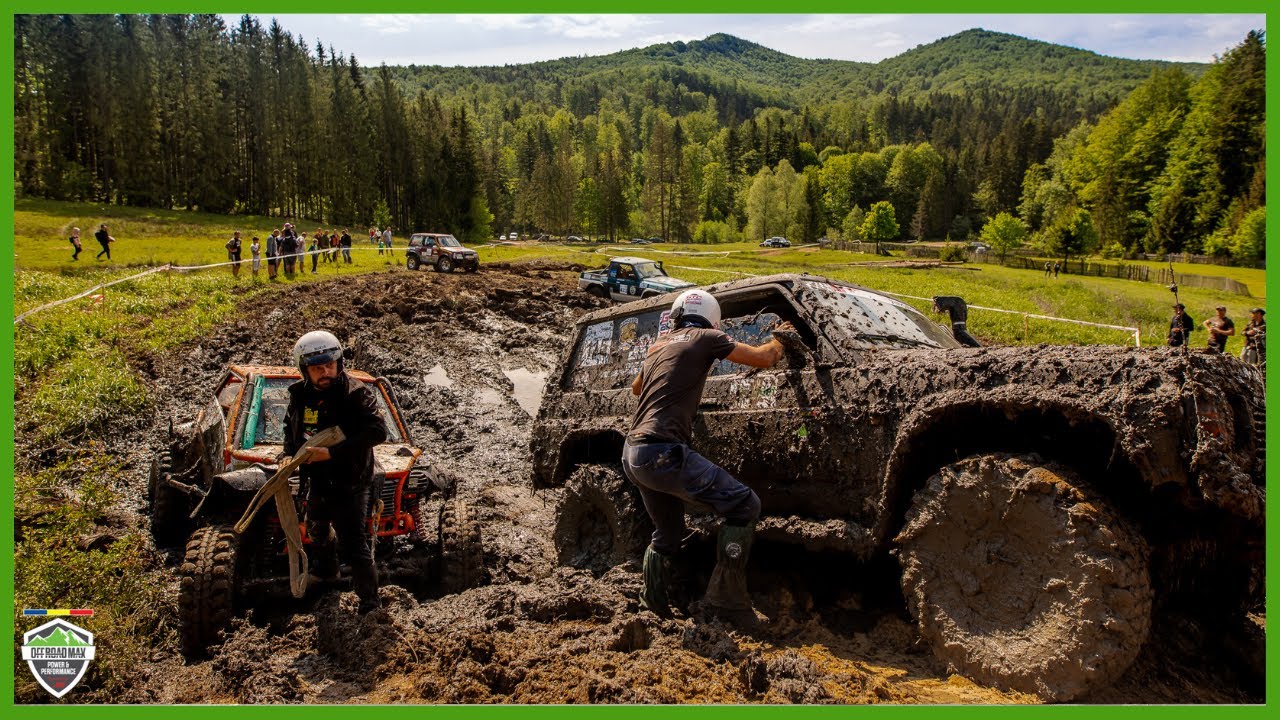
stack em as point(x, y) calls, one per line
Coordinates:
point(841, 23)
point(578, 27)
point(393, 24)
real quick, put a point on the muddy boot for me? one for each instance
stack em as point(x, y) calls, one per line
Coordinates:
point(727, 596)
point(655, 595)
point(324, 554)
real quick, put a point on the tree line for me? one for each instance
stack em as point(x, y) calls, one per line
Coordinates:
point(181, 111)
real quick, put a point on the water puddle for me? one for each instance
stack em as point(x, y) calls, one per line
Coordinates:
point(528, 388)
point(437, 377)
point(489, 396)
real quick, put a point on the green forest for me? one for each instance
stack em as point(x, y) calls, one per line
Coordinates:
point(716, 140)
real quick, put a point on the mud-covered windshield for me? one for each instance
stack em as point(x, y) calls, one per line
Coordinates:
point(648, 270)
point(873, 319)
point(610, 352)
point(275, 401)
point(449, 241)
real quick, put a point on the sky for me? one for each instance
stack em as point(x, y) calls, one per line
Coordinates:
point(494, 39)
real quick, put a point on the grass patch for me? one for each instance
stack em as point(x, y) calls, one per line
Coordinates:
point(55, 508)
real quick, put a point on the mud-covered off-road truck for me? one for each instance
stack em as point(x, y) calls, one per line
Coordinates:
point(1039, 500)
point(204, 479)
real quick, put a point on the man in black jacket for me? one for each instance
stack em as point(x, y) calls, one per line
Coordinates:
point(339, 479)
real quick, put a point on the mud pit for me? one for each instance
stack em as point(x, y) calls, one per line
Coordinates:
point(462, 353)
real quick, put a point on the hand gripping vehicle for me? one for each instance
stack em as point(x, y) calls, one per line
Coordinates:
point(201, 483)
point(1041, 502)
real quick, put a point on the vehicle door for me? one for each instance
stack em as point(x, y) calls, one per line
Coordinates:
point(625, 283)
point(781, 430)
point(429, 249)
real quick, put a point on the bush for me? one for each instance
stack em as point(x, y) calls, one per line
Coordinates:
point(952, 253)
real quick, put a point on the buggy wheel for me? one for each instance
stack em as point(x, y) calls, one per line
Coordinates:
point(170, 507)
point(601, 521)
point(412, 262)
point(444, 265)
point(1021, 578)
point(461, 549)
point(210, 580)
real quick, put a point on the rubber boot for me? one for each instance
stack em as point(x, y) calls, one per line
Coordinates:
point(727, 592)
point(655, 595)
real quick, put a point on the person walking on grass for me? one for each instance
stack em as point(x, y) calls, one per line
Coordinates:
point(256, 249)
point(75, 243)
point(233, 253)
point(104, 239)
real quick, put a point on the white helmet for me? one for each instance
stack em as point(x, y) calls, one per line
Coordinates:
point(696, 302)
point(316, 348)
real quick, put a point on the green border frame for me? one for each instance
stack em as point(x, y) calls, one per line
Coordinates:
point(595, 7)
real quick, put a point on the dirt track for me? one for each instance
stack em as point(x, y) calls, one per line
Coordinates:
point(537, 633)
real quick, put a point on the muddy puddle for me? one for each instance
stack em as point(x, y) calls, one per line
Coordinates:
point(468, 356)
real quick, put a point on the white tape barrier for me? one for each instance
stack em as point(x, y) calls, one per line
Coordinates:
point(1135, 332)
point(176, 268)
point(56, 303)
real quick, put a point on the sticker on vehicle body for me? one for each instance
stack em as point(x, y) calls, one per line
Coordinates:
point(596, 344)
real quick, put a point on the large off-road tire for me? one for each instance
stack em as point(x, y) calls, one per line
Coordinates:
point(170, 507)
point(472, 268)
point(210, 580)
point(1019, 578)
point(597, 290)
point(461, 549)
point(412, 262)
point(601, 521)
point(444, 265)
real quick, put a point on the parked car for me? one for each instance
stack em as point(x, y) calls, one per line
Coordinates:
point(630, 278)
point(574, 239)
point(776, 242)
point(656, 239)
point(639, 241)
point(440, 251)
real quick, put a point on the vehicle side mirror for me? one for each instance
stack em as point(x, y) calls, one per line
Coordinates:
point(958, 311)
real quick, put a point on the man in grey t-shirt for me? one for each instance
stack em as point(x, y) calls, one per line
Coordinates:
point(658, 460)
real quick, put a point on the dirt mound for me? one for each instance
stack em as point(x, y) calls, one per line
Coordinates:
point(462, 352)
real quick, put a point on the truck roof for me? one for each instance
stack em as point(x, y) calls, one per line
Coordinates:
point(729, 286)
point(632, 260)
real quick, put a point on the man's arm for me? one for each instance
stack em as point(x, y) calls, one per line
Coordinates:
point(635, 384)
point(761, 356)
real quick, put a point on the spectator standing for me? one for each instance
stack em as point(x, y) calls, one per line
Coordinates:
point(386, 237)
point(75, 243)
point(1255, 338)
point(1220, 328)
point(333, 246)
point(233, 253)
point(311, 250)
point(344, 242)
point(1180, 326)
point(373, 236)
point(256, 249)
point(1048, 268)
point(289, 247)
point(273, 254)
point(105, 240)
point(1055, 269)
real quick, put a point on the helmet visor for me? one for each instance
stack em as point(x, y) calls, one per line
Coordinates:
point(320, 357)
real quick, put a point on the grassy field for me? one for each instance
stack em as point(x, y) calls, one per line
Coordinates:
point(73, 377)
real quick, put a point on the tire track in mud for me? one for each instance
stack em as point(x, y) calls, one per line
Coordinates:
point(536, 633)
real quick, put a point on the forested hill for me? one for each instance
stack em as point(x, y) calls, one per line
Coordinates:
point(968, 61)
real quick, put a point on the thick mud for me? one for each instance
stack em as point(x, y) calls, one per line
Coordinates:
point(465, 354)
